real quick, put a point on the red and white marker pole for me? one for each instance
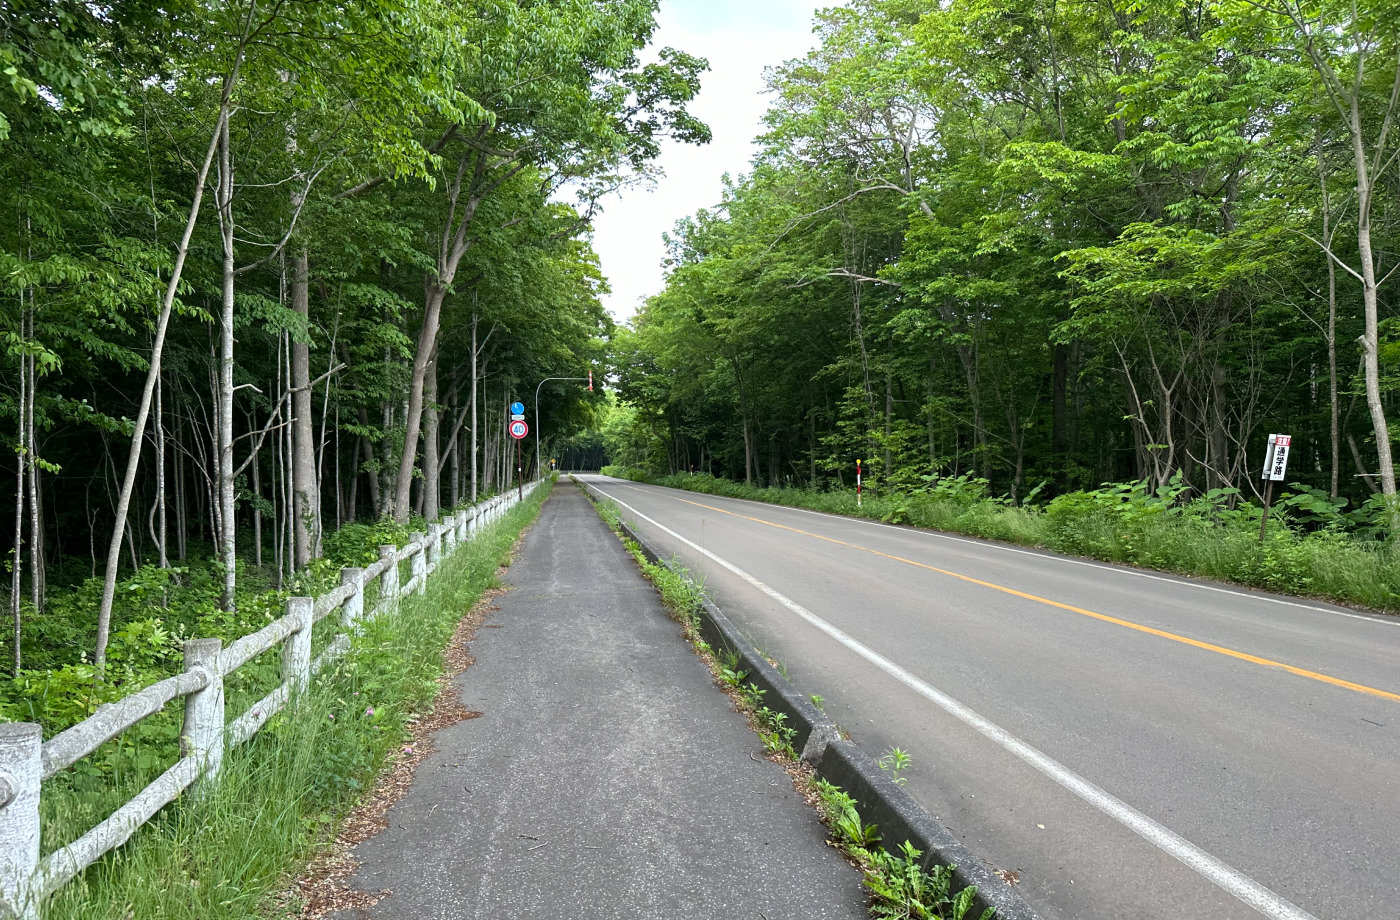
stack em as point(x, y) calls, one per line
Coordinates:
point(590, 380)
point(857, 483)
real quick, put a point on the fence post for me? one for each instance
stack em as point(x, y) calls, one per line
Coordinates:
point(354, 607)
point(420, 560)
point(433, 547)
point(202, 735)
point(21, 775)
point(462, 531)
point(296, 651)
point(449, 535)
point(389, 581)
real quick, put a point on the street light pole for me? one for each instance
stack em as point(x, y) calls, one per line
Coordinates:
point(589, 378)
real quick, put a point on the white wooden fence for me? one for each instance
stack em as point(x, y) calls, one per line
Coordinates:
point(26, 760)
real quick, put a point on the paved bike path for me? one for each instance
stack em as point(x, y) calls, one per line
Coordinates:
point(606, 777)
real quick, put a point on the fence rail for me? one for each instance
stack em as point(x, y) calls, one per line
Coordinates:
point(26, 760)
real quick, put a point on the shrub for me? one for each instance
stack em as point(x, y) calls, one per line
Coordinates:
point(1312, 546)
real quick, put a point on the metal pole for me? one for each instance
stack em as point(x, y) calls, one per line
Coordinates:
point(589, 378)
point(1268, 496)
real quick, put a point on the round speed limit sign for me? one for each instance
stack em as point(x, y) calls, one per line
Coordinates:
point(518, 430)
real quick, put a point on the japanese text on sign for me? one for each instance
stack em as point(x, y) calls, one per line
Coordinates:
point(1276, 459)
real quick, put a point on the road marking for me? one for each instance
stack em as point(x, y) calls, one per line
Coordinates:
point(1116, 621)
point(1219, 873)
point(1379, 619)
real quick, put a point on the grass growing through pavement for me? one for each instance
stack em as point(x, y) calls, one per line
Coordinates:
point(226, 853)
point(901, 885)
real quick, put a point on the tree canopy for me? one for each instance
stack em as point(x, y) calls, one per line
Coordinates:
point(1049, 244)
point(272, 267)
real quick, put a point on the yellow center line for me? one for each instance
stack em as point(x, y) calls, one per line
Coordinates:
point(1128, 624)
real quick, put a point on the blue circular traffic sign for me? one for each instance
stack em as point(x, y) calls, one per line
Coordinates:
point(517, 408)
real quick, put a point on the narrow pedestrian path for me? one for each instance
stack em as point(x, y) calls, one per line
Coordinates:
point(606, 777)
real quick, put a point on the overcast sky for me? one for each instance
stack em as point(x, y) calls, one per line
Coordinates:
point(739, 38)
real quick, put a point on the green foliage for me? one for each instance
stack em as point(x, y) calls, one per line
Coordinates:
point(1212, 535)
point(840, 814)
point(681, 592)
point(225, 855)
point(894, 762)
point(902, 887)
point(776, 734)
point(1035, 249)
point(358, 544)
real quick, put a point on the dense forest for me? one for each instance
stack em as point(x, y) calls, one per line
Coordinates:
point(272, 267)
point(269, 267)
point(1047, 244)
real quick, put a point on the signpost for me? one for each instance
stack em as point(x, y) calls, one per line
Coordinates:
point(518, 429)
point(857, 483)
point(1275, 468)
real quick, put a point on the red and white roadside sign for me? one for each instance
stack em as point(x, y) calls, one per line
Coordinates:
point(519, 429)
point(1276, 460)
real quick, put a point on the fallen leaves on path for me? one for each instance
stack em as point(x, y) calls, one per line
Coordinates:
point(325, 886)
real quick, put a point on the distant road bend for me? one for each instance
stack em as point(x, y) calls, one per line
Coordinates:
point(1130, 745)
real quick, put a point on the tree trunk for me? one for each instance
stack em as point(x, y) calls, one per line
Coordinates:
point(367, 466)
point(161, 533)
point(182, 516)
point(1334, 407)
point(306, 510)
point(432, 421)
point(889, 423)
point(22, 458)
point(1370, 340)
point(1059, 440)
point(257, 511)
point(109, 585)
point(36, 518)
point(289, 487)
point(475, 426)
point(335, 460)
point(427, 339)
point(455, 472)
point(1346, 95)
point(227, 552)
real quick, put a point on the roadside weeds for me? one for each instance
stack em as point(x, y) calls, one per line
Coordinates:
point(900, 885)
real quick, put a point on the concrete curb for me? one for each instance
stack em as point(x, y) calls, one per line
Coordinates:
point(879, 799)
point(883, 803)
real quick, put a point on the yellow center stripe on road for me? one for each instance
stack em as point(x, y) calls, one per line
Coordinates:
point(1128, 624)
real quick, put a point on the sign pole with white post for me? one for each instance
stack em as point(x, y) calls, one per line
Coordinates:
point(518, 429)
point(1275, 468)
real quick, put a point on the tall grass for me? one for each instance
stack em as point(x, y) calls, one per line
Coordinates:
point(1166, 530)
point(223, 852)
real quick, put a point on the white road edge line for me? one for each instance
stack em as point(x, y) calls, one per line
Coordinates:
point(1219, 873)
point(1183, 580)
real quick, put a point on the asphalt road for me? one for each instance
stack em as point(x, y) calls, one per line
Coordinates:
point(1132, 745)
point(603, 776)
